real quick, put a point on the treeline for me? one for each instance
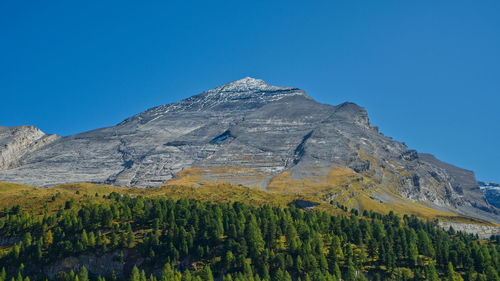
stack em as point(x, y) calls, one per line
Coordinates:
point(192, 240)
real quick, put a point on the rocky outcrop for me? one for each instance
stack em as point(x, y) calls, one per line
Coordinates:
point(483, 231)
point(491, 192)
point(15, 142)
point(259, 130)
point(8, 241)
point(98, 264)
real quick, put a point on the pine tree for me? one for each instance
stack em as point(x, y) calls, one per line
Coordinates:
point(372, 248)
point(39, 253)
point(130, 237)
point(286, 276)
point(227, 260)
point(167, 272)
point(48, 239)
point(135, 275)
point(430, 272)
point(291, 233)
point(92, 239)
point(492, 274)
point(206, 274)
point(83, 275)
point(278, 275)
point(412, 253)
point(254, 239)
point(299, 265)
point(27, 239)
point(247, 268)
point(425, 246)
point(85, 240)
point(351, 271)
point(186, 276)
point(114, 240)
point(336, 271)
point(450, 273)
point(469, 276)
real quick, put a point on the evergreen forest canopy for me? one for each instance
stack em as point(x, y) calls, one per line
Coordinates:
point(161, 239)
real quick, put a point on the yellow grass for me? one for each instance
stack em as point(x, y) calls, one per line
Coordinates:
point(37, 200)
point(316, 184)
point(196, 176)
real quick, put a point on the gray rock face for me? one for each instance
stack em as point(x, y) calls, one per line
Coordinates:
point(15, 142)
point(491, 192)
point(255, 127)
point(483, 231)
point(103, 264)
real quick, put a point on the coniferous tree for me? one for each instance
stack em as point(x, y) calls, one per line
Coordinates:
point(130, 242)
point(492, 274)
point(278, 275)
point(48, 239)
point(351, 271)
point(412, 253)
point(430, 272)
point(206, 274)
point(84, 240)
point(92, 240)
point(3, 274)
point(135, 275)
point(450, 273)
point(254, 239)
point(83, 274)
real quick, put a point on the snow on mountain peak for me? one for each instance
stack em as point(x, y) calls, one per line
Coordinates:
point(248, 84)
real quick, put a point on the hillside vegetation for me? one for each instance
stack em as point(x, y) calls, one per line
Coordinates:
point(91, 232)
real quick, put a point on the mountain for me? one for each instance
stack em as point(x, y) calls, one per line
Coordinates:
point(258, 135)
point(491, 192)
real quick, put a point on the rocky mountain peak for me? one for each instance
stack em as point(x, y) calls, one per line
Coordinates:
point(250, 89)
point(247, 84)
point(243, 94)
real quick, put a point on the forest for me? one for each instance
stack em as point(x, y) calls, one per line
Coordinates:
point(159, 239)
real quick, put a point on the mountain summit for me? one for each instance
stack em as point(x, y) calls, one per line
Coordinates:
point(248, 84)
point(251, 133)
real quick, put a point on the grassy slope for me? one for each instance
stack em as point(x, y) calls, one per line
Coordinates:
point(37, 200)
point(343, 186)
point(323, 184)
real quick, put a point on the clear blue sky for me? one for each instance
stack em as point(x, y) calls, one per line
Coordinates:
point(428, 72)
